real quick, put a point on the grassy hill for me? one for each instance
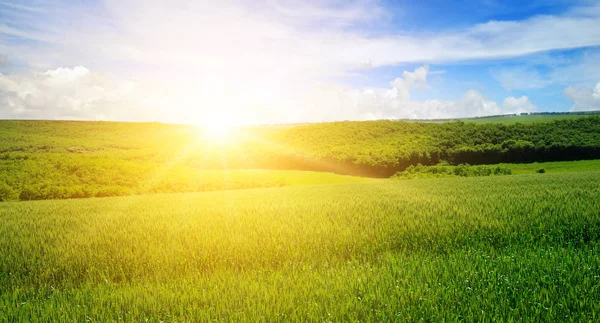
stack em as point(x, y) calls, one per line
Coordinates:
point(54, 159)
point(521, 247)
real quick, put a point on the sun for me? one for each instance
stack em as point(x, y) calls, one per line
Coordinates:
point(216, 128)
point(217, 131)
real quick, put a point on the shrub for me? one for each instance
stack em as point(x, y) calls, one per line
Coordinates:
point(462, 170)
point(541, 171)
point(502, 171)
point(7, 193)
point(28, 194)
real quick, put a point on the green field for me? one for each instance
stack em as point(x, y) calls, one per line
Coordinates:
point(520, 247)
point(465, 170)
point(554, 167)
point(534, 118)
point(264, 226)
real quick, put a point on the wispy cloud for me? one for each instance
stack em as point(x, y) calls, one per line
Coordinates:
point(201, 33)
point(21, 7)
point(545, 70)
point(520, 78)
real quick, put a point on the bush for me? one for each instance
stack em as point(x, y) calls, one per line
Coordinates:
point(7, 193)
point(28, 194)
point(541, 171)
point(502, 171)
point(462, 170)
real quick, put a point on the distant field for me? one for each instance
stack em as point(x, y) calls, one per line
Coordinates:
point(526, 118)
point(521, 247)
point(512, 119)
point(554, 167)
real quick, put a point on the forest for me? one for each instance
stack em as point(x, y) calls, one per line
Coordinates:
point(382, 148)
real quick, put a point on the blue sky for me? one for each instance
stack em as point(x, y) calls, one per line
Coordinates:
point(490, 77)
point(441, 15)
point(245, 62)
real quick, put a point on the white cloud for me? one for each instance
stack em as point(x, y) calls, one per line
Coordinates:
point(3, 59)
point(78, 93)
point(333, 13)
point(584, 98)
point(385, 104)
point(395, 102)
point(68, 93)
point(518, 105)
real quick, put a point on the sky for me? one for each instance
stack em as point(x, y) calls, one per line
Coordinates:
point(244, 62)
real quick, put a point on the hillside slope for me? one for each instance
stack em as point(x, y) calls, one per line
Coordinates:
point(59, 159)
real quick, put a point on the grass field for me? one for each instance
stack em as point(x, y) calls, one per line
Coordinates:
point(444, 170)
point(521, 247)
point(535, 118)
point(554, 167)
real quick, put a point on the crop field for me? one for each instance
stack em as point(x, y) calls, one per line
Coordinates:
point(511, 248)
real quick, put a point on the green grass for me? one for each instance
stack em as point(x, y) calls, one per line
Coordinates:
point(554, 167)
point(444, 170)
point(527, 118)
point(521, 247)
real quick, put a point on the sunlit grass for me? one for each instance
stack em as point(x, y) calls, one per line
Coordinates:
point(554, 167)
point(441, 249)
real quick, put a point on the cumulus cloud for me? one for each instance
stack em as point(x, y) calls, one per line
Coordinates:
point(68, 93)
point(395, 102)
point(518, 105)
point(409, 80)
point(584, 98)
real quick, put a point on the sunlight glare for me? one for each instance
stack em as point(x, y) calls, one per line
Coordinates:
point(217, 131)
point(217, 128)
